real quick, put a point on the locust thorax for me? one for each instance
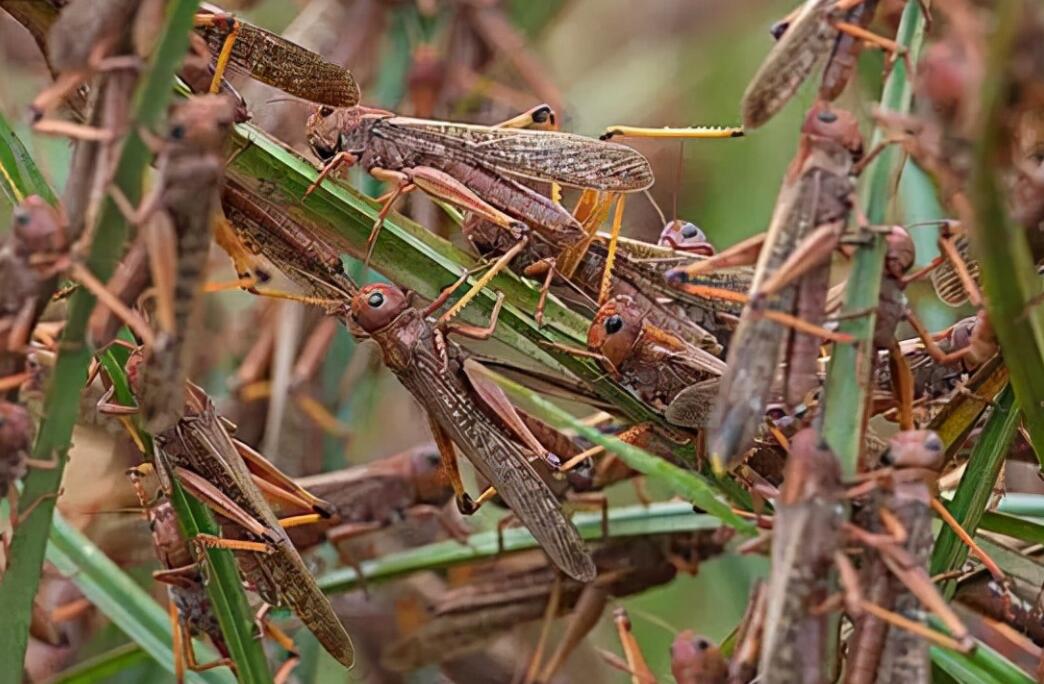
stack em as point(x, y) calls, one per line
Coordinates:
point(615, 330)
point(901, 252)
point(685, 237)
point(377, 305)
point(429, 477)
point(812, 470)
point(201, 123)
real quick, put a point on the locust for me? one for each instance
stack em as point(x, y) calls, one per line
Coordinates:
point(30, 257)
point(16, 441)
point(377, 495)
point(477, 168)
point(193, 615)
point(201, 454)
point(816, 30)
point(806, 539)
point(466, 409)
point(896, 576)
point(177, 222)
point(468, 617)
point(781, 318)
point(194, 612)
point(266, 230)
point(638, 270)
point(679, 380)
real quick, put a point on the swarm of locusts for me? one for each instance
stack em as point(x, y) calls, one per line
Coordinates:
point(783, 388)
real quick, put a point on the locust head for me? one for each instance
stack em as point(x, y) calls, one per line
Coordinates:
point(333, 130)
point(202, 122)
point(38, 229)
point(429, 477)
point(615, 330)
point(696, 658)
point(901, 252)
point(836, 125)
point(686, 237)
point(915, 449)
point(377, 305)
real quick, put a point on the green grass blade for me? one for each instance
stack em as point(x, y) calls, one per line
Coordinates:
point(1009, 274)
point(626, 521)
point(848, 376)
point(19, 175)
point(1026, 530)
point(976, 486)
point(61, 405)
point(119, 598)
point(983, 666)
point(103, 666)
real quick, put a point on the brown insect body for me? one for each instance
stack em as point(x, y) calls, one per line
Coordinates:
point(434, 374)
point(806, 534)
point(384, 491)
point(486, 160)
point(878, 651)
point(16, 441)
point(666, 372)
point(845, 54)
point(638, 272)
point(302, 256)
point(29, 259)
point(185, 584)
point(200, 443)
point(805, 42)
point(816, 193)
point(470, 616)
point(280, 63)
point(192, 169)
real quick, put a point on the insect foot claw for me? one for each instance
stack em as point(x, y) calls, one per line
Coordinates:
point(466, 505)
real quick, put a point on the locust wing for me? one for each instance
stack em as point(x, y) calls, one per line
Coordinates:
point(548, 156)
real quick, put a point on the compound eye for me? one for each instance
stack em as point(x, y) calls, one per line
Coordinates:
point(375, 300)
point(614, 324)
point(177, 132)
point(827, 116)
point(689, 231)
point(325, 111)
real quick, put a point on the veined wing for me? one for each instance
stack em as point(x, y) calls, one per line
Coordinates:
point(549, 156)
point(271, 59)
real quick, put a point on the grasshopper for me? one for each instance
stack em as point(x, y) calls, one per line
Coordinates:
point(676, 378)
point(206, 460)
point(377, 495)
point(181, 574)
point(477, 168)
point(811, 211)
point(896, 577)
point(29, 259)
point(806, 538)
point(265, 229)
point(177, 219)
point(468, 410)
point(816, 29)
point(468, 617)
